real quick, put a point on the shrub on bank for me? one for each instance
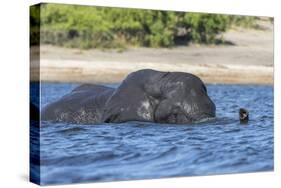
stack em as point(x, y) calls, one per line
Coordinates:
point(99, 27)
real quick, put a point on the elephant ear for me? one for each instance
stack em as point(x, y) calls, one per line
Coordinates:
point(136, 98)
point(128, 104)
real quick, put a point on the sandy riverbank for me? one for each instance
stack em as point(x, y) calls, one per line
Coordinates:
point(249, 59)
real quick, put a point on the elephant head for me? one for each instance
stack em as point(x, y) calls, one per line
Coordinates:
point(182, 99)
point(163, 97)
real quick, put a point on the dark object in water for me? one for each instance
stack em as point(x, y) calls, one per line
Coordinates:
point(243, 115)
point(145, 95)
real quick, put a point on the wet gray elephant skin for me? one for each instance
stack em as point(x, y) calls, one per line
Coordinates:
point(145, 95)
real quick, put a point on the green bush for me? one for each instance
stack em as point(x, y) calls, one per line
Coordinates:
point(100, 27)
point(34, 25)
point(243, 21)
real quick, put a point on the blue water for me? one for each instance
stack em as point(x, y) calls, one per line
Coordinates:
point(72, 153)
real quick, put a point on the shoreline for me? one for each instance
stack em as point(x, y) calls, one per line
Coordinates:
point(113, 72)
point(247, 60)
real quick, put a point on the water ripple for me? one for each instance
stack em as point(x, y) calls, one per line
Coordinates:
point(139, 150)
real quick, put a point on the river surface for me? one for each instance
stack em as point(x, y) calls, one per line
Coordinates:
point(72, 153)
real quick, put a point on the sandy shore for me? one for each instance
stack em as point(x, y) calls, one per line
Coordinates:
point(248, 60)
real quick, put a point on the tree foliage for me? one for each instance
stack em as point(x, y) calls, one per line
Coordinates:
point(100, 27)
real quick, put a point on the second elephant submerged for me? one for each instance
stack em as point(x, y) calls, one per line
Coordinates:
point(145, 95)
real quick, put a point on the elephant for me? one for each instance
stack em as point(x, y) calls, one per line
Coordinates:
point(145, 95)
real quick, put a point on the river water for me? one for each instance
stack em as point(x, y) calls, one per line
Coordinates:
point(72, 153)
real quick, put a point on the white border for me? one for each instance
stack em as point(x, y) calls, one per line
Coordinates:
point(14, 74)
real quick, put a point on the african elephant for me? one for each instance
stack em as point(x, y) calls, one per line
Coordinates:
point(145, 95)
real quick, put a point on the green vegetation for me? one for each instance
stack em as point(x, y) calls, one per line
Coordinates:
point(100, 27)
point(244, 21)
